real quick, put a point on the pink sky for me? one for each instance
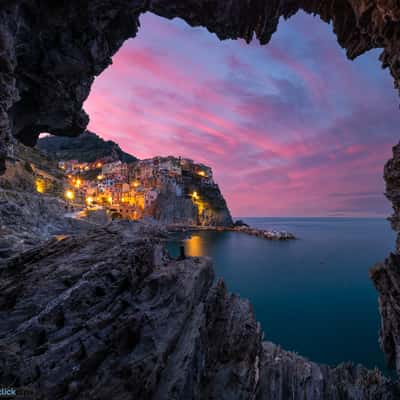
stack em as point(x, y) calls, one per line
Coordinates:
point(291, 129)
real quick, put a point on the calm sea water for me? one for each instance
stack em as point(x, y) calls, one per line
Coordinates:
point(311, 295)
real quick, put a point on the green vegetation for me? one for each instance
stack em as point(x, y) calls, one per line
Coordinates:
point(87, 147)
point(40, 159)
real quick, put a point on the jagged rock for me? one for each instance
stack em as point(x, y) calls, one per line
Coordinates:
point(109, 314)
point(27, 219)
point(240, 223)
point(286, 375)
point(386, 278)
point(170, 208)
point(386, 275)
point(50, 51)
point(217, 214)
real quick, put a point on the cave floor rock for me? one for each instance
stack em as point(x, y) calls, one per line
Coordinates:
point(108, 314)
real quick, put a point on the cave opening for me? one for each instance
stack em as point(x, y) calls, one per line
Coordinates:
point(281, 112)
point(291, 129)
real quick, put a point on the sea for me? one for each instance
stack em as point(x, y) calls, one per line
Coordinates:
point(311, 295)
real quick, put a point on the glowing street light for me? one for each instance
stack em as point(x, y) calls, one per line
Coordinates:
point(89, 200)
point(40, 186)
point(195, 195)
point(69, 195)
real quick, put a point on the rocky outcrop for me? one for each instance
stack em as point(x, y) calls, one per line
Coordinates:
point(50, 52)
point(386, 275)
point(109, 315)
point(174, 206)
point(261, 233)
point(170, 208)
point(28, 219)
point(286, 375)
point(214, 211)
point(386, 278)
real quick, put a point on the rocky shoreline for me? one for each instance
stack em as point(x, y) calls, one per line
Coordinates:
point(261, 233)
point(106, 313)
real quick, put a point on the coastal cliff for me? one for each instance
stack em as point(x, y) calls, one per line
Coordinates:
point(28, 216)
point(386, 275)
point(108, 314)
point(207, 208)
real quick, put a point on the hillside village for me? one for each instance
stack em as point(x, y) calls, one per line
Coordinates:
point(169, 189)
point(42, 195)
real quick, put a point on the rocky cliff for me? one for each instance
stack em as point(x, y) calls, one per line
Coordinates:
point(109, 315)
point(50, 51)
point(28, 217)
point(209, 208)
point(213, 210)
point(386, 275)
point(172, 209)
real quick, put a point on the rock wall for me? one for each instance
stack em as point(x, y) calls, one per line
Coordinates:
point(171, 209)
point(108, 315)
point(386, 275)
point(215, 211)
point(210, 210)
point(50, 51)
point(27, 219)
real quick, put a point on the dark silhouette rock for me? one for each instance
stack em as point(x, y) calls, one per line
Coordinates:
point(386, 275)
point(240, 223)
point(87, 147)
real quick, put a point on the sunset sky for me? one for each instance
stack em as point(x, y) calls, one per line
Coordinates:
point(290, 129)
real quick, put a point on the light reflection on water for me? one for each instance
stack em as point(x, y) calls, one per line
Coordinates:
point(311, 295)
point(194, 246)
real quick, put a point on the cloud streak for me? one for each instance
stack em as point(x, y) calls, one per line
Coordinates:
point(290, 129)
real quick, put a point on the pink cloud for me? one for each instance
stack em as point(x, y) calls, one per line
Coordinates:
point(277, 144)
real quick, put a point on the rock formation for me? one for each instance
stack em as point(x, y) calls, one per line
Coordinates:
point(386, 275)
point(50, 51)
point(106, 314)
point(211, 210)
point(28, 219)
point(109, 315)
